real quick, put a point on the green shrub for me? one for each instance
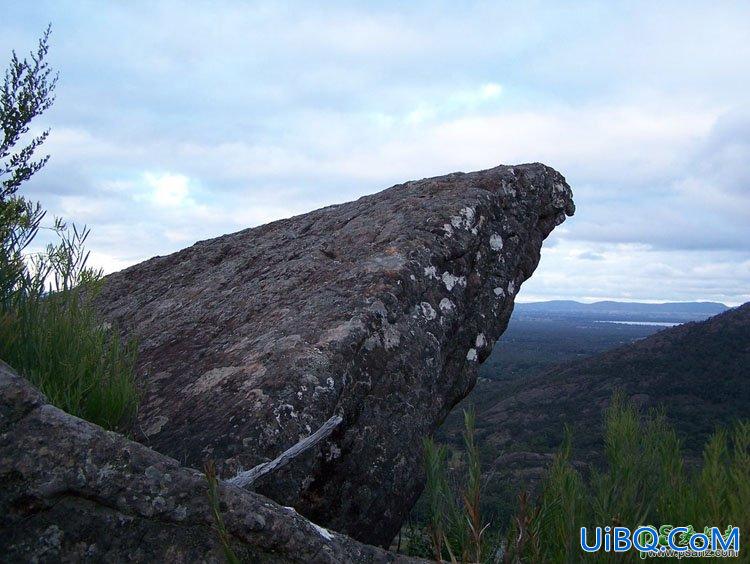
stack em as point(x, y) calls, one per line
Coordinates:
point(645, 482)
point(55, 338)
point(457, 529)
point(49, 331)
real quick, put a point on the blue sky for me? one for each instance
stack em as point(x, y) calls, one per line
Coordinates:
point(180, 121)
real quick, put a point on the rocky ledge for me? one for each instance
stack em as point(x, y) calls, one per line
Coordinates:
point(376, 311)
point(72, 492)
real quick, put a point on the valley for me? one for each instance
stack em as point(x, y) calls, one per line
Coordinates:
point(558, 366)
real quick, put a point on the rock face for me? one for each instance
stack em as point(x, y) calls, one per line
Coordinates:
point(72, 492)
point(377, 310)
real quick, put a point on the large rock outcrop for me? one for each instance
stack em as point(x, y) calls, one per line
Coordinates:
point(72, 492)
point(377, 310)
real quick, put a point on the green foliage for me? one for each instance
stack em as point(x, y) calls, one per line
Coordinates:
point(444, 515)
point(56, 340)
point(27, 91)
point(49, 332)
point(697, 370)
point(215, 504)
point(645, 482)
point(475, 527)
point(533, 344)
point(456, 530)
point(19, 224)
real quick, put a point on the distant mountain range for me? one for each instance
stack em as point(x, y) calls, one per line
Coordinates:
point(608, 310)
point(698, 372)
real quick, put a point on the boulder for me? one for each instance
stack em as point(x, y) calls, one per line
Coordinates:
point(72, 492)
point(377, 311)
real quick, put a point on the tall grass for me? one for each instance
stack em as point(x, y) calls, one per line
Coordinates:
point(58, 343)
point(645, 482)
point(51, 334)
point(214, 502)
point(456, 527)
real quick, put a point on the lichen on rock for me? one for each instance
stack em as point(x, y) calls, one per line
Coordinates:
point(370, 310)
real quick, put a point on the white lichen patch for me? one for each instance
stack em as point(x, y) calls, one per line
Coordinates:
point(341, 332)
point(284, 409)
point(388, 261)
point(471, 355)
point(213, 378)
point(468, 213)
point(51, 539)
point(499, 292)
point(480, 341)
point(465, 219)
point(475, 229)
point(428, 311)
point(105, 472)
point(451, 281)
point(322, 531)
point(511, 288)
point(333, 453)
point(431, 272)
point(448, 228)
point(496, 242)
point(446, 305)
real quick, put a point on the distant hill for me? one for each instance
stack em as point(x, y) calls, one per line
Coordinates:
point(699, 372)
point(534, 343)
point(671, 311)
point(545, 333)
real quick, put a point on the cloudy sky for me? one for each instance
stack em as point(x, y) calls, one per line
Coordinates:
point(179, 121)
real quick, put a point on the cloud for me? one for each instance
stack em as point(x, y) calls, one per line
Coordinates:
point(702, 204)
point(565, 273)
point(168, 190)
point(456, 103)
point(177, 122)
point(590, 255)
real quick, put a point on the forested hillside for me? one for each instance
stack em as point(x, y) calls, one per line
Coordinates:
point(699, 373)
